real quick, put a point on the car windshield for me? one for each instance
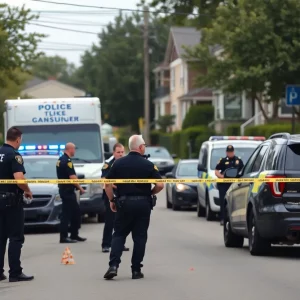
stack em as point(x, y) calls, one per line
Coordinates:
point(187, 169)
point(86, 137)
point(157, 152)
point(243, 153)
point(40, 167)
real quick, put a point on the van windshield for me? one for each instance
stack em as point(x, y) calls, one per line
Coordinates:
point(86, 137)
point(243, 153)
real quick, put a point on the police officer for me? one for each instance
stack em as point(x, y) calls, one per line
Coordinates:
point(118, 152)
point(11, 206)
point(136, 204)
point(70, 207)
point(230, 161)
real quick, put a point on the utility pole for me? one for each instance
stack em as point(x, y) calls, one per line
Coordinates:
point(146, 77)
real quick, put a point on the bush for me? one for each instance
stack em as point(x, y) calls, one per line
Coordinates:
point(268, 129)
point(154, 137)
point(197, 115)
point(233, 130)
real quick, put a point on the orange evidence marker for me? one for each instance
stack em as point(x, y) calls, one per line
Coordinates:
point(67, 257)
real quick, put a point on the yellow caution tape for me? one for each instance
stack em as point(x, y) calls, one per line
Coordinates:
point(187, 180)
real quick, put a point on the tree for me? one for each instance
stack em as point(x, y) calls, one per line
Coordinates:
point(114, 69)
point(198, 13)
point(54, 66)
point(260, 49)
point(18, 49)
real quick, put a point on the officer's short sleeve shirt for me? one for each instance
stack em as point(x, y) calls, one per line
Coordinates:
point(133, 166)
point(65, 169)
point(11, 162)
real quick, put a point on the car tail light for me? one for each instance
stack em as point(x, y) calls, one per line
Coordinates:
point(276, 188)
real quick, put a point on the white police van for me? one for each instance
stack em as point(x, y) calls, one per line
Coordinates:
point(48, 124)
point(211, 151)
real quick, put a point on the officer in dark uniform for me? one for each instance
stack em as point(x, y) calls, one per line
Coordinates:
point(230, 161)
point(11, 206)
point(118, 152)
point(133, 205)
point(70, 207)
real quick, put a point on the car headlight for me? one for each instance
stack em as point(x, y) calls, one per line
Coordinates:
point(57, 199)
point(182, 187)
point(96, 188)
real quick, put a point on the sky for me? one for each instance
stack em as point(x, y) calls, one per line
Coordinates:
point(71, 45)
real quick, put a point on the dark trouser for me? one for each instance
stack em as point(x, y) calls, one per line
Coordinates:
point(222, 187)
point(134, 218)
point(108, 226)
point(12, 228)
point(70, 214)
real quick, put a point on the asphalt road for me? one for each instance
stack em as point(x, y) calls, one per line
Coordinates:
point(185, 259)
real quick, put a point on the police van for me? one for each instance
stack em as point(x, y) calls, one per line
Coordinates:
point(210, 153)
point(48, 124)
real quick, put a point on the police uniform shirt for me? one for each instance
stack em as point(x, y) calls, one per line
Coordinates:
point(133, 166)
point(11, 162)
point(105, 170)
point(226, 162)
point(64, 169)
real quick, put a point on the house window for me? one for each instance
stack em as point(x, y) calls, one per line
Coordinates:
point(181, 74)
point(172, 79)
point(285, 110)
point(232, 107)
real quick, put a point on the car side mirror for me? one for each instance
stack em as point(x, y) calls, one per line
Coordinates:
point(107, 155)
point(174, 155)
point(231, 173)
point(201, 168)
point(80, 176)
point(169, 175)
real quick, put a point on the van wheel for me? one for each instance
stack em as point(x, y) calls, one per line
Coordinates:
point(200, 210)
point(257, 244)
point(231, 240)
point(208, 212)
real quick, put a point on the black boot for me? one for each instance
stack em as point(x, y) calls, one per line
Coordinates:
point(111, 273)
point(2, 277)
point(21, 277)
point(137, 275)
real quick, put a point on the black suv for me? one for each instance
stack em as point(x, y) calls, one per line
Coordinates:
point(269, 212)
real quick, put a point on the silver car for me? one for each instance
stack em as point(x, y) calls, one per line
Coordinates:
point(161, 157)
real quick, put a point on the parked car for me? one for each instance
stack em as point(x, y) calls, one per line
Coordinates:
point(211, 151)
point(161, 157)
point(266, 212)
point(182, 194)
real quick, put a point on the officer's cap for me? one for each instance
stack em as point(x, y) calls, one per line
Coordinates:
point(229, 148)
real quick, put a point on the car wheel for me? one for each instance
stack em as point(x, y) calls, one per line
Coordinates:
point(168, 204)
point(200, 210)
point(175, 206)
point(257, 244)
point(231, 240)
point(208, 212)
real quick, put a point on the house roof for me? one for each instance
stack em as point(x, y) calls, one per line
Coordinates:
point(33, 82)
point(185, 36)
point(198, 92)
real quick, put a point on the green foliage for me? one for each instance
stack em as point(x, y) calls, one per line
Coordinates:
point(260, 42)
point(233, 130)
point(18, 49)
point(54, 66)
point(114, 69)
point(198, 115)
point(165, 121)
point(269, 129)
point(154, 137)
point(178, 142)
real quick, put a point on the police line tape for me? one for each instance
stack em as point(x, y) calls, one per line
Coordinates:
point(120, 181)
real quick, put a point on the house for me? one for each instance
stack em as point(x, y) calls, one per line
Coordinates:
point(51, 88)
point(237, 109)
point(175, 84)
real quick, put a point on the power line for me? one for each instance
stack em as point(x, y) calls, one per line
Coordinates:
point(64, 44)
point(60, 28)
point(116, 8)
point(58, 49)
point(75, 24)
point(73, 12)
